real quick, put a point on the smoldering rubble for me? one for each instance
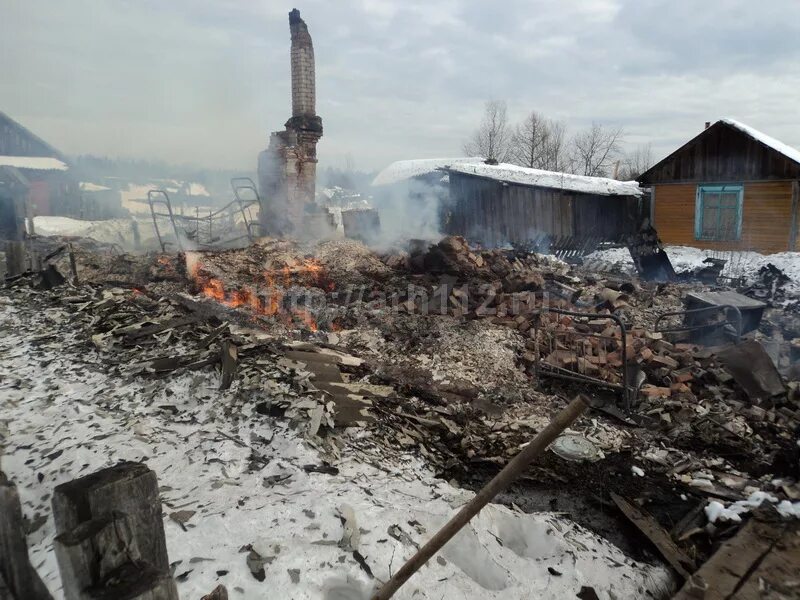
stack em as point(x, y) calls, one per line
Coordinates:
point(445, 356)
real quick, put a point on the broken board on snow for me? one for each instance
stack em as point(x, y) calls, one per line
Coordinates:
point(660, 538)
point(351, 400)
point(735, 565)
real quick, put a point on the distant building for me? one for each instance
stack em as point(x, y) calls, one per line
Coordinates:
point(43, 169)
point(729, 188)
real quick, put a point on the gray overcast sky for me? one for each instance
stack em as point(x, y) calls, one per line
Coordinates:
point(205, 81)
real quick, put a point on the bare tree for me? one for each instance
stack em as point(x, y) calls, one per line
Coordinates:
point(529, 141)
point(636, 162)
point(492, 138)
point(556, 156)
point(594, 150)
point(538, 143)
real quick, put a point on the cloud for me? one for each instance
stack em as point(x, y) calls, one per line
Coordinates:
point(205, 81)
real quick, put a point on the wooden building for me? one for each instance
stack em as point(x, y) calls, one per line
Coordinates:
point(13, 201)
point(51, 189)
point(729, 188)
point(501, 204)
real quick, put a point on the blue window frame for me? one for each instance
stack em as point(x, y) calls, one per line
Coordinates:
point(718, 212)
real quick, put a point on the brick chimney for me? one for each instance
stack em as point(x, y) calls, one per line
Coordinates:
point(287, 169)
point(302, 57)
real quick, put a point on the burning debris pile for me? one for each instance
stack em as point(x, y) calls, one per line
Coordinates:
point(460, 356)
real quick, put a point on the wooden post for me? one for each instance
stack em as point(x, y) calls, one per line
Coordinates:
point(230, 358)
point(795, 219)
point(73, 265)
point(18, 578)
point(130, 488)
point(501, 481)
point(15, 258)
point(100, 558)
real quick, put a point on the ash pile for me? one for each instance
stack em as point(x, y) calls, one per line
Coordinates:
point(460, 355)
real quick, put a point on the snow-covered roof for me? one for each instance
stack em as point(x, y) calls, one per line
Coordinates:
point(88, 186)
point(788, 151)
point(406, 169)
point(37, 163)
point(197, 189)
point(550, 179)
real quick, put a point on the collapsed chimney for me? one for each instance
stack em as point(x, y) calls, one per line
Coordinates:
point(287, 169)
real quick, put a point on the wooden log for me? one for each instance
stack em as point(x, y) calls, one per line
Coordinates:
point(501, 481)
point(100, 558)
point(15, 259)
point(130, 488)
point(18, 578)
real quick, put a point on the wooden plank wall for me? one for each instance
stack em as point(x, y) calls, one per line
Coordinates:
point(722, 153)
point(494, 214)
point(766, 220)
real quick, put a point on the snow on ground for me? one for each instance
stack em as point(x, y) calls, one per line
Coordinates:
point(65, 416)
point(685, 258)
point(108, 231)
point(111, 231)
point(549, 179)
point(134, 198)
point(716, 510)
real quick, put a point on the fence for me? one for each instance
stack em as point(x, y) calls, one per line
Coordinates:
point(569, 248)
point(218, 228)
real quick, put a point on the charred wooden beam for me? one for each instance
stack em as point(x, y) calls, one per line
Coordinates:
point(100, 558)
point(230, 359)
point(129, 488)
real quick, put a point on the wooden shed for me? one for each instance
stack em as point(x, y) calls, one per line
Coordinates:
point(51, 188)
point(729, 188)
point(501, 204)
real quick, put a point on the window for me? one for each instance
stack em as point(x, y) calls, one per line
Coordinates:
point(718, 212)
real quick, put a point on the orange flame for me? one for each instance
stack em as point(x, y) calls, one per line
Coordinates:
point(305, 317)
point(307, 273)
